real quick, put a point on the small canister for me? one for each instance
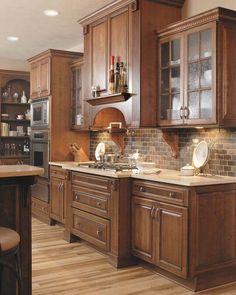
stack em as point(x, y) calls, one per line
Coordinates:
point(79, 119)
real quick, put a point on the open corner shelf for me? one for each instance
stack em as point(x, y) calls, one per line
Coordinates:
point(111, 98)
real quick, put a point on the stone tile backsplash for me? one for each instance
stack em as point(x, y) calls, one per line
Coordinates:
point(152, 147)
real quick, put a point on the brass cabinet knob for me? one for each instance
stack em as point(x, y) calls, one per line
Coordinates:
point(142, 189)
point(172, 195)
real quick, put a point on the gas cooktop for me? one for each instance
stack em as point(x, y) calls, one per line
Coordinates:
point(115, 166)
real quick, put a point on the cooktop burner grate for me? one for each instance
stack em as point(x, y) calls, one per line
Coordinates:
point(110, 166)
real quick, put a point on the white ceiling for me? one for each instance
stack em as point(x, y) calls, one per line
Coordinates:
point(37, 32)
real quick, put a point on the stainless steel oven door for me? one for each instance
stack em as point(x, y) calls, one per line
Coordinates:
point(39, 155)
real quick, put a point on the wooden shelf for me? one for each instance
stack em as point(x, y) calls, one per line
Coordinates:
point(15, 103)
point(112, 98)
point(15, 120)
point(20, 137)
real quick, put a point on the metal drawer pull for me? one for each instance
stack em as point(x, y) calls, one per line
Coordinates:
point(77, 197)
point(172, 195)
point(99, 231)
point(156, 212)
point(142, 189)
point(99, 204)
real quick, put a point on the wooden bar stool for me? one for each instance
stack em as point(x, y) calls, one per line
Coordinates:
point(9, 245)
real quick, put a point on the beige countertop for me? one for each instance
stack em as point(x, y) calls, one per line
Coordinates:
point(19, 170)
point(165, 176)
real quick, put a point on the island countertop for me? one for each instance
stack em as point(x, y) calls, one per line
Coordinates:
point(19, 170)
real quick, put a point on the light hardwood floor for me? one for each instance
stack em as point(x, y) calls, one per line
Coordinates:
point(71, 269)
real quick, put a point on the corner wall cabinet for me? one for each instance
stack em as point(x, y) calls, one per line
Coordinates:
point(196, 69)
point(122, 29)
point(14, 139)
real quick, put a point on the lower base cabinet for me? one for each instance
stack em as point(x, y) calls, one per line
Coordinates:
point(98, 211)
point(188, 233)
point(58, 194)
point(159, 232)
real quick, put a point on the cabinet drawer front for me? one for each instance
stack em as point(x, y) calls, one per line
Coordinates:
point(91, 201)
point(58, 172)
point(91, 228)
point(166, 193)
point(91, 181)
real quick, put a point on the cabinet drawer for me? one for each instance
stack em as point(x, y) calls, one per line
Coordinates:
point(91, 181)
point(165, 193)
point(91, 201)
point(58, 172)
point(91, 228)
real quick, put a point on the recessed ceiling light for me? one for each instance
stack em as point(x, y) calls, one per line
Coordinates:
point(51, 12)
point(12, 38)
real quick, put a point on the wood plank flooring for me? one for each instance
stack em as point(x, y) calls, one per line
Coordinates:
point(71, 269)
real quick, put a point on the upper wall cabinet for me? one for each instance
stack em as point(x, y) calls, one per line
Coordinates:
point(196, 70)
point(40, 78)
point(125, 29)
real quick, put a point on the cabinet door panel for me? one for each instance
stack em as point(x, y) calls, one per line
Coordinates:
point(200, 96)
point(45, 77)
point(171, 249)
point(55, 199)
point(228, 62)
point(142, 228)
point(34, 80)
point(99, 45)
point(119, 26)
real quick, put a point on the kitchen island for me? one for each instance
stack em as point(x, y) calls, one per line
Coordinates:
point(15, 208)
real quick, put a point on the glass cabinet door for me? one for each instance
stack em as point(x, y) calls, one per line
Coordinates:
point(200, 104)
point(77, 104)
point(170, 81)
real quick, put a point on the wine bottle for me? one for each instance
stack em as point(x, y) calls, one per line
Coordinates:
point(26, 148)
point(112, 76)
point(117, 76)
point(124, 79)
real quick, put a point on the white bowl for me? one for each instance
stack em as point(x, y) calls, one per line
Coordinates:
point(145, 165)
point(187, 170)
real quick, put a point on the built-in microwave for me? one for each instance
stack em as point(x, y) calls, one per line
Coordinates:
point(40, 113)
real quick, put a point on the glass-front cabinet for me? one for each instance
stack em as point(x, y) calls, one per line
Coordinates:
point(187, 75)
point(77, 107)
point(171, 74)
point(200, 77)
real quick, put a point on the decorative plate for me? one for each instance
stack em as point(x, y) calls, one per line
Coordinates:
point(100, 149)
point(201, 154)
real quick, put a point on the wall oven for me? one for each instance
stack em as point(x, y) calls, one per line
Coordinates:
point(40, 113)
point(39, 153)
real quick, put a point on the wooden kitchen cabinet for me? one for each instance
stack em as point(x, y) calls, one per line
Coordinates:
point(121, 29)
point(58, 194)
point(194, 86)
point(12, 85)
point(40, 78)
point(51, 70)
point(98, 211)
point(159, 230)
point(186, 232)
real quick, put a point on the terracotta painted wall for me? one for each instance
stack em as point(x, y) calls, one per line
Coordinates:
point(192, 7)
